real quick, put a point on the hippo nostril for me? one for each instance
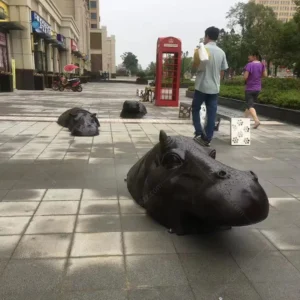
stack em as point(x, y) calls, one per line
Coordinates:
point(222, 174)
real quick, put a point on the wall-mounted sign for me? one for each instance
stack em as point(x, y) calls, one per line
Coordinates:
point(74, 46)
point(3, 12)
point(61, 39)
point(39, 24)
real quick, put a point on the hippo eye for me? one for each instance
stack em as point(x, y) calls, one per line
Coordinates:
point(222, 174)
point(171, 160)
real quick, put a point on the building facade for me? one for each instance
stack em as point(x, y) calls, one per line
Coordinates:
point(102, 46)
point(284, 9)
point(43, 36)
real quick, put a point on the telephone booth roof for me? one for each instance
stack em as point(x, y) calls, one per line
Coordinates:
point(169, 43)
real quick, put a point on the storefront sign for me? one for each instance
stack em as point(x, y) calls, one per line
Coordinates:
point(61, 39)
point(74, 46)
point(2, 39)
point(39, 24)
point(3, 12)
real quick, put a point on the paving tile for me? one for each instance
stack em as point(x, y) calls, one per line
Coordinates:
point(3, 193)
point(140, 223)
point(211, 267)
point(229, 290)
point(17, 209)
point(96, 244)
point(293, 257)
point(101, 295)
point(43, 246)
point(198, 243)
point(292, 190)
point(57, 208)
point(154, 271)
point(278, 290)
point(7, 184)
point(3, 263)
point(62, 194)
point(244, 239)
point(8, 245)
point(284, 238)
point(130, 207)
point(105, 194)
point(13, 225)
point(267, 267)
point(276, 219)
point(165, 293)
point(95, 274)
point(148, 243)
point(285, 204)
point(30, 296)
point(98, 223)
point(31, 276)
point(99, 207)
point(24, 195)
point(51, 224)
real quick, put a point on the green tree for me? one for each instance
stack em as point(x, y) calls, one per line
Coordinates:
point(151, 69)
point(230, 42)
point(130, 62)
point(258, 27)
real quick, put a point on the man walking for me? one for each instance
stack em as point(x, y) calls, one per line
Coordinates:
point(207, 87)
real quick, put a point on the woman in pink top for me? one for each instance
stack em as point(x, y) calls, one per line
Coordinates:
point(254, 71)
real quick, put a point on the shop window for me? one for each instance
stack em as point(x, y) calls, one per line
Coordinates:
point(93, 16)
point(3, 59)
point(39, 61)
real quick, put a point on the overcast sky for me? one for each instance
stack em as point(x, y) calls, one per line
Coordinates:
point(138, 23)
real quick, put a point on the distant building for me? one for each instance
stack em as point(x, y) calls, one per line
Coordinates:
point(284, 9)
point(102, 46)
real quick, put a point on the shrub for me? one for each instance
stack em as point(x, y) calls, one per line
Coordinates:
point(140, 80)
point(141, 74)
point(281, 98)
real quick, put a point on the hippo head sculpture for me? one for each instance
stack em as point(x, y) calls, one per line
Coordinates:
point(133, 109)
point(80, 122)
point(183, 187)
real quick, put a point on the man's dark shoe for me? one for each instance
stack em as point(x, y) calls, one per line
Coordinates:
point(203, 142)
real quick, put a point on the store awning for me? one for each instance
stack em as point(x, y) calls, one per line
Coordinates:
point(77, 54)
point(42, 34)
point(9, 25)
point(52, 40)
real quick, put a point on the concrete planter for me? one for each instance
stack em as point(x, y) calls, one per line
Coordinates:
point(269, 111)
point(6, 83)
point(39, 83)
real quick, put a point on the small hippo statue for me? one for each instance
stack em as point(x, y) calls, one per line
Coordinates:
point(184, 188)
point(80, 122)
point(133, 109)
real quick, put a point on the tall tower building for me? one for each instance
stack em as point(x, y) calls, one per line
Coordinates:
point(284, 9)
point(102, 46)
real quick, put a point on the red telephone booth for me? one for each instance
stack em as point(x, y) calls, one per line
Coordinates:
point(168, 68)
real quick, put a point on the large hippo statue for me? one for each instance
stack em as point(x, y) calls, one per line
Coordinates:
point(183, 187)
point(80, 122)
point(133, 109)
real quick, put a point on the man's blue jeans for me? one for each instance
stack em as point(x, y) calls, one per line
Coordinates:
point(211, 102)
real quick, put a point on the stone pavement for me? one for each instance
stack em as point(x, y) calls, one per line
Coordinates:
point(70, 230)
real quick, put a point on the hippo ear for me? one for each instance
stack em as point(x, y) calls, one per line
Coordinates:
point(163, 138)
point(72, 114)
point(93, 115)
